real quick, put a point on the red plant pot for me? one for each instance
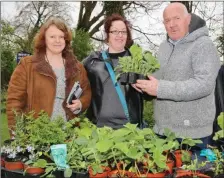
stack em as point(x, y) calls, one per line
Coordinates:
point(105, 172)
point(156, 175)
point(170, 165)
point(2, 162)
point(17, 165)
point(178, 157)
point(120, 173)
point(184, 173)
point(33, 170)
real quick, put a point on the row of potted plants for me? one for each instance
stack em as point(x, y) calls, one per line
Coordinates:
point(79, 147)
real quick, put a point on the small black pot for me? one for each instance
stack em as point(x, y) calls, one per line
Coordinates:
point(219, 176)
point(142, 77)
point(132, 77)
point(80, 174)
point(124, 78)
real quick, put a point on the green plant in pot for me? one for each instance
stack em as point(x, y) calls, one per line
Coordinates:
point(13, 156)
point(43, 133)
point(218, 162)
point(94, 146)
point(137, 66)
point(219, 135)
point(183, 155)
point(15, 150)
point(192, 169)
point(75, 159)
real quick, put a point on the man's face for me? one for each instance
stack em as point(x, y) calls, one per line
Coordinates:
point(176, 23)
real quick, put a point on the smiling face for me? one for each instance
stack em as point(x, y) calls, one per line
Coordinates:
point(54, 39)
point(117, 36)
point(176, 21)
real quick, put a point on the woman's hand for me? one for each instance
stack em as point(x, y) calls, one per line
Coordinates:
point(75, 107)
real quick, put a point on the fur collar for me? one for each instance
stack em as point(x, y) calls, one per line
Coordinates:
point(42, 66)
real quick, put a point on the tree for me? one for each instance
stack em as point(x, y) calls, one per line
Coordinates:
point(81, 44)
point(188, 4)
point(92, 24)
point(220, 45)
point(30, 18)
point(8, 64)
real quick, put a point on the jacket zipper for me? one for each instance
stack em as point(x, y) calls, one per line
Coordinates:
point(54, 87)
point(168, 60)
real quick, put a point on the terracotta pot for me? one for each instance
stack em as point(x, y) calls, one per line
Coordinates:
point(17, 165)
point(2, 162)
point(156, 175)
point(114, 173)
point(178, 157)
point(104, 174)
point(170, 165)
point(121, 173)
point(33, 170)
point(184, 173)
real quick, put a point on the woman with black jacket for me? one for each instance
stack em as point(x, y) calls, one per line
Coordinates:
point(106, 108)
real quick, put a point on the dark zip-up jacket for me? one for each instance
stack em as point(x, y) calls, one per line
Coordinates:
point(105, 108)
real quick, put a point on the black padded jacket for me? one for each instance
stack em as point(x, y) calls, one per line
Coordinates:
point(105, 108)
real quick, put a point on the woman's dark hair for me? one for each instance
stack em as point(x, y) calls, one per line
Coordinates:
point(108, 23)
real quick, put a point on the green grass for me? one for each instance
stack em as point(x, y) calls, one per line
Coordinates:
point(4, 128)
point(4, 121)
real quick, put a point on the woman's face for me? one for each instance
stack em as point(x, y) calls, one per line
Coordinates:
point(117, 36)
point(54, 39)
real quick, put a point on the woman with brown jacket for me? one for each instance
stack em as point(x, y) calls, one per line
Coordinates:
point(43, 81)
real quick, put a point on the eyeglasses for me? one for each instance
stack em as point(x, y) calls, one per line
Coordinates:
point(115, 32)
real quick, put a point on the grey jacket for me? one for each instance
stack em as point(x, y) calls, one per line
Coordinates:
point(185, 97)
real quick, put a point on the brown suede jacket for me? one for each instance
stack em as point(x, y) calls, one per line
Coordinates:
point(33, 86)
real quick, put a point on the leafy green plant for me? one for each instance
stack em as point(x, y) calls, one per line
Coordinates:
point(139, 62)
point(194, 168)
point(44, 132)
point(220, 134)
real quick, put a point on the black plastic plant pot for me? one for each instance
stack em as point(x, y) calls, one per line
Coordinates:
point(220, 144)
point(123, 78)
point(132, 77)
point(142, 77)
point(8, 142)
point(219, 176)
point(80, 174)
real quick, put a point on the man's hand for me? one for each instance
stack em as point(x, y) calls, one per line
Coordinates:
point(148, 86)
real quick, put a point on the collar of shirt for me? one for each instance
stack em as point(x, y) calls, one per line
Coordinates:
point(174, 42)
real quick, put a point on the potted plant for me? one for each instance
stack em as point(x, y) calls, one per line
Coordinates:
point(183, 155)
point(191, 170)
point(76, 161)
point(137, 66)
point(219, 135)
point(218, 162)
point(14, 150)
point(13, 156)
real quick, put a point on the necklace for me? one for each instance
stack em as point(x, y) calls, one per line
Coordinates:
point(63, 60)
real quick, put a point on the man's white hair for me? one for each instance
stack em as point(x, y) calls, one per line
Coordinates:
point(179, 5)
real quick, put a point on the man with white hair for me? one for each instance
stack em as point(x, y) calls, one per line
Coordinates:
point(184, 85)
